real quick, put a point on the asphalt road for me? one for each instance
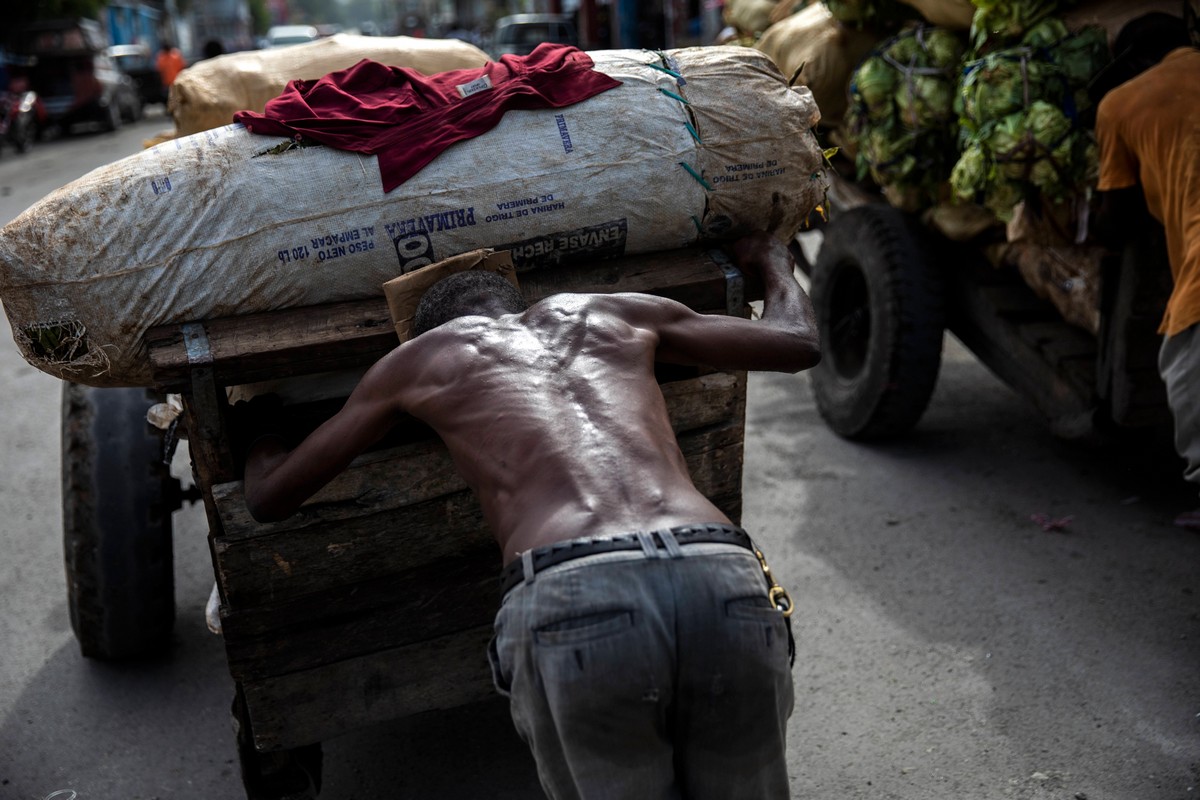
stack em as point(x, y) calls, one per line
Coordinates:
point(949, 648)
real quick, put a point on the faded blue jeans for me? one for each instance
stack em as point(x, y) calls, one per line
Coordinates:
point(1179, 365)
point(643, 676)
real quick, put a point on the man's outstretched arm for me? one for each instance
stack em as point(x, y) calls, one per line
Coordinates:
point(783, 339)
point(278, 479)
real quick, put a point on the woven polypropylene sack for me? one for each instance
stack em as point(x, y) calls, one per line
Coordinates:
point(207, 94)
point(701, 143)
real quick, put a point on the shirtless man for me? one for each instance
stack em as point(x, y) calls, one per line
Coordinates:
point(635, 640)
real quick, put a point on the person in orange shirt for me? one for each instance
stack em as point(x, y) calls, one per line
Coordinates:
point(1147, 130)
point(169, 64)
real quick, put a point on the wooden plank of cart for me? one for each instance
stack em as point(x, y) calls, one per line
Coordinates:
point(375, 601)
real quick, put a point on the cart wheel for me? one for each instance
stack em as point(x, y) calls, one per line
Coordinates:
point(880, 311)
point(118, 495)
point(279, 775)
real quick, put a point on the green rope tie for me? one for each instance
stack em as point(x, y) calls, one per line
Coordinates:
point(692, 131)
point(674, 96)
point(699, 178)
point(670, 72)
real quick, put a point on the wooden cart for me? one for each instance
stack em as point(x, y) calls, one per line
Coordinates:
point(375, 601)
point(885, 287)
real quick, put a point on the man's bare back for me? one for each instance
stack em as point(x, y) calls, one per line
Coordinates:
point(553, 416)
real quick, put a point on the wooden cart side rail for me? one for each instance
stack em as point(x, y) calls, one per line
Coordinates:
point(278, 344)
point(332, 699)
point(420, 603)
point(1025, 342)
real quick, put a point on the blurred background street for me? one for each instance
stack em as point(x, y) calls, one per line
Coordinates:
point(983, 610)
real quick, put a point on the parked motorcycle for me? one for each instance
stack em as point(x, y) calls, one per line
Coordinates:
point(18, 115)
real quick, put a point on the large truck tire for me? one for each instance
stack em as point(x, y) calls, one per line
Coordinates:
point(880, 309)
point(118, 495)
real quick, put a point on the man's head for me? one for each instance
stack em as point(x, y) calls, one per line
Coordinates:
point(1142, 43)
point(1147, 39)
point(473, 292)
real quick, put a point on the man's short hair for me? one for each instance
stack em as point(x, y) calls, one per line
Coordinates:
point(1151, 36)
point(463, 294)
point(1143, 42)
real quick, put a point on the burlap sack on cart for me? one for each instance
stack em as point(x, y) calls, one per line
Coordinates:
point(1069, 277)
point(827, 50)
point(750, 17)
point(953, 14)
point(700, 143)
point(207, 94)
point(785, 8)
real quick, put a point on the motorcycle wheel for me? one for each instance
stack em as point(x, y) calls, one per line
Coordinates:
point(22, 133)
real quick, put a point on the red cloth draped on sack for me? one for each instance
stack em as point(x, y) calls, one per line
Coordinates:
point(407, 118)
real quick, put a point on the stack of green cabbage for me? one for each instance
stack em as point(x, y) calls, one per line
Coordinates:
point(1003, 22)
point(1019, 119)
point(901, 118)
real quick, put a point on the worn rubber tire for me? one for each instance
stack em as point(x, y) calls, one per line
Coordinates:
point(293, 774)
point(880, 308)
point(117, 503)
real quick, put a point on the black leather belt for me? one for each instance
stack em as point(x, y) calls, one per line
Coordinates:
point(557, 553)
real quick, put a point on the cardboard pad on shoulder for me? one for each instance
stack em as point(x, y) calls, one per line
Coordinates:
point(404, 293)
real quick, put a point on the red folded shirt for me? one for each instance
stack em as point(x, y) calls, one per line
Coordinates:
point(407, 118)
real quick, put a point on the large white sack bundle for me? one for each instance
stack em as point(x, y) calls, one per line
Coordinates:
point(207, 94)
point(227, 223)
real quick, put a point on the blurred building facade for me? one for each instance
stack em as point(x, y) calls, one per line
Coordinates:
point(601, 24)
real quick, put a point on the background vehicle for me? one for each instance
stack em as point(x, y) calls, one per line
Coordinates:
point(19, 106)
point(136, 31)
point(518, 34)
point(885, 287)
point(286, 35)
point(74, 78)
point(18, 116)
point(137, 61)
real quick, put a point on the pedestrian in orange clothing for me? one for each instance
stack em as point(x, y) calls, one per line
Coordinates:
point(169, 64)
point(1146, 128)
